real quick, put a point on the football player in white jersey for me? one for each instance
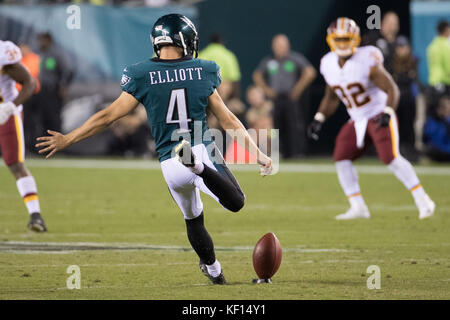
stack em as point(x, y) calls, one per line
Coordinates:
point(356, 76)
point(11, 127)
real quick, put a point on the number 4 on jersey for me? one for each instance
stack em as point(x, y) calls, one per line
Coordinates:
point(178, 106)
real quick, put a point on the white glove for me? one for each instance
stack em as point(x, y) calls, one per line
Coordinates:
point(6, 110)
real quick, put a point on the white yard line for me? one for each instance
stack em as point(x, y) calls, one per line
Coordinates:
point(307, 167)
point(171, 264)
point(26, 247)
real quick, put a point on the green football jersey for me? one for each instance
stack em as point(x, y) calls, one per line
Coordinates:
point(175, 94)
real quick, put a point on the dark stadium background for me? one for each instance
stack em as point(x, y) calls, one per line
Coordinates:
point(246, 26)
point(307, 34)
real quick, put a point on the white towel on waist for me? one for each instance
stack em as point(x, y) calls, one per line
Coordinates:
point(360, 129)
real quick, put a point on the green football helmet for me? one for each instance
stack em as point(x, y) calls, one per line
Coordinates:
point(177, 30)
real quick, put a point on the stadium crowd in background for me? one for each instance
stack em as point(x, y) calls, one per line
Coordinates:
point(385, 37)
point(55, 74)
point(278, 98)
point(438, 53)
point(259, 115)
point(230, 72)
point(405, 74)
point(437, 126)
point(437, 130)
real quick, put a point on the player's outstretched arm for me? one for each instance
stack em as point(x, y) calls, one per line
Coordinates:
point(383, 80)
point(98, 122)
point(20, 74)
point(229, 121)
point(327, 107)
point(329, 103)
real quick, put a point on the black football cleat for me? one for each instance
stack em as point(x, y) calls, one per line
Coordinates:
point(36, 223)
point(184, 153)
point(220, 279)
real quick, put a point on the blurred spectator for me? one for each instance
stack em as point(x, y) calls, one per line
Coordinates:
point(55, 76)
point(227, 61)
point(259, 115)
point(131, 135)
point(404, 72)
point(438, 54)
point(437, 131)
point(32, 62)
point(284, 76)
point(385, 38)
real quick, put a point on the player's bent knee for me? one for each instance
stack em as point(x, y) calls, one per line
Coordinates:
point(237, 203)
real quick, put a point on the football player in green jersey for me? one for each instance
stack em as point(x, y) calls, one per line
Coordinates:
point(176, 88)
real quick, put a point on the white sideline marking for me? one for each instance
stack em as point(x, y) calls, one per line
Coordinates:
point(289, 262)
point(64, 247)
point(284, 167)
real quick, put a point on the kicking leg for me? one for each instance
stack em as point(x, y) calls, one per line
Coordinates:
point(222, 184)
point(203, 245)
point(186, 195)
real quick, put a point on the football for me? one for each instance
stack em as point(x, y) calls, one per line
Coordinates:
point(267, 256)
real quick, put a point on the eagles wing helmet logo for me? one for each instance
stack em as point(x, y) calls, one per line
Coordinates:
point(125, 79)
point(189, 23)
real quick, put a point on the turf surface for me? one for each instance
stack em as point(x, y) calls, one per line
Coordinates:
point(118, 223)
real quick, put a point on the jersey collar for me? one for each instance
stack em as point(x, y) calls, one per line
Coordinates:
point(185, 58)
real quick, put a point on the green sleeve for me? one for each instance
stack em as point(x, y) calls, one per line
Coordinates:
point(130, 83)
point(215, 76)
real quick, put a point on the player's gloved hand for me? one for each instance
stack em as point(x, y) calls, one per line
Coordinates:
point(314, 129)
point(315, 126)
point(383, 120)
point(6, 110)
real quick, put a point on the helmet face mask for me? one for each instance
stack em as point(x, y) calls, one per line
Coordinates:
point(175, 30)
point(343, 37)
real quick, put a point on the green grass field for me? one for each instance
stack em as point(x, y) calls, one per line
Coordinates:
point(118, 223)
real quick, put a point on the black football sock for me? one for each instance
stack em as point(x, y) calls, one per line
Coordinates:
point(225, 187)
point(200, 239)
